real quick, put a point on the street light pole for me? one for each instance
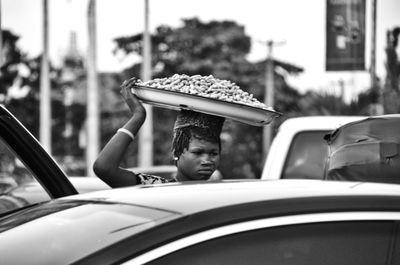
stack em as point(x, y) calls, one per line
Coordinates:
point(92, 105)
point(269, 93)
point(269, 96)
point(378, 106)
point(145, 157)
point(373, 44)
point(45, 94)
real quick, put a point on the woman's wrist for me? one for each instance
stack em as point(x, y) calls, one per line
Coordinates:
point(126, 132)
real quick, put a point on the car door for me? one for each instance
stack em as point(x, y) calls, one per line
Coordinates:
point(311, 230)
point(24, 161)
point(340, 238)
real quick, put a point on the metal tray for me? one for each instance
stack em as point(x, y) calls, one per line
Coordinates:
point(230, 110)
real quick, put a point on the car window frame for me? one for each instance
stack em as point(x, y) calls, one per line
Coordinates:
point(265, 223)
point(292, 147)
point(203, 220)
point(42, 166)
point(347, 242)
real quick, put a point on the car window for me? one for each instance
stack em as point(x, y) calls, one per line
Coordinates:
point(332, 243)
point(18, 187)
point(307, 156)
point(62, 232)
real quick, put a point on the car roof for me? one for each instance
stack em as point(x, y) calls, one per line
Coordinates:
point(329, 122)
point(189, 198)
point(297, 124)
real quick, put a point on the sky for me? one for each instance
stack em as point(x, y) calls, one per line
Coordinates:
point(298, 27)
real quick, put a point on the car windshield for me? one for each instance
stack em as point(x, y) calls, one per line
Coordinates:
point(307, 156)
point(86, 228)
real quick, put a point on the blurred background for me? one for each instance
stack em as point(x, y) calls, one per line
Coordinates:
point(62, 62)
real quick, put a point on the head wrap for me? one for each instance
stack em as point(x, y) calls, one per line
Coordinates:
point(188, 118)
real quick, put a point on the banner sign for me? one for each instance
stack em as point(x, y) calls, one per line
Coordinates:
point(345, 35)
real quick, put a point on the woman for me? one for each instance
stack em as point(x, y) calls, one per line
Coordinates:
point(196, 146)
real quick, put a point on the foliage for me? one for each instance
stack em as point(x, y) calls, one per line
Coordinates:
point(17, 77)
point(20, 91)
point(322, 103)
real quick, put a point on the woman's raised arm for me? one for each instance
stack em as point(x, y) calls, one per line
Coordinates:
point(107, 164)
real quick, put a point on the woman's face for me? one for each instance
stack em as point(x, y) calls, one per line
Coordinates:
point(199, 161)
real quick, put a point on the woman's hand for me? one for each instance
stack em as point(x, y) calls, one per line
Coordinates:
point(131, 99)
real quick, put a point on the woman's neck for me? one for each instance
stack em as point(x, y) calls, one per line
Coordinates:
point(181, 177)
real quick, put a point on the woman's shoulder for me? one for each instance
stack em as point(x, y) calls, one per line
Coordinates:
point(151, 179)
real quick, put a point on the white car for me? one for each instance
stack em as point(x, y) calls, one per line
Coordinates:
point(299, 150)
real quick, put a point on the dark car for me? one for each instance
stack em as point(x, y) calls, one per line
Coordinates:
point(231, 222)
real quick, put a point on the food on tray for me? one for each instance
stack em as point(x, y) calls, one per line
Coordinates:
point(205, 86)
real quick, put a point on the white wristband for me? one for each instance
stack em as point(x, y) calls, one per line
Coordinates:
point(125, 131)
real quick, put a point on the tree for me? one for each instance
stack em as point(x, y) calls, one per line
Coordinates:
point(15, 83)
point(12, 57)
point(217, 48)
point(19, 85)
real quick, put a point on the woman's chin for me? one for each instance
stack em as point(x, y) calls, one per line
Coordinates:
point(203, 175)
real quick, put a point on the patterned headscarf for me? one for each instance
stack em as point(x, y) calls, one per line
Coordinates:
point(190, 124)
point(187, 118)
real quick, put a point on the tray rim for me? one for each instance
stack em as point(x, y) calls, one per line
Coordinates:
point(273, 113)
point(270, 109)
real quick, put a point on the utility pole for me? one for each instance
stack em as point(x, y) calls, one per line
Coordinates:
point(269, 94)
point(378, 106)
point(145, 152)
point(92, 120)
point(45, 92)
point(372, 70)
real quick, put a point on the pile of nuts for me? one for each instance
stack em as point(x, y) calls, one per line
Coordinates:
point(205, 86)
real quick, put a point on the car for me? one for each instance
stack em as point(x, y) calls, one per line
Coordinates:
point(225, 222)
point(298, 150)
point(365, 150)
